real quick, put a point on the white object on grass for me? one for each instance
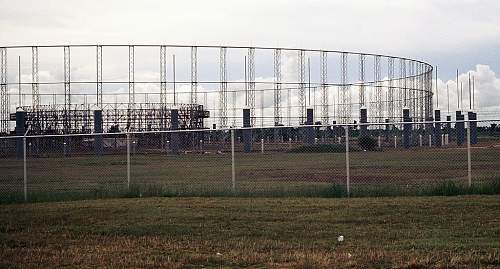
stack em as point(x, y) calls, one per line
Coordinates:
point(340, 238)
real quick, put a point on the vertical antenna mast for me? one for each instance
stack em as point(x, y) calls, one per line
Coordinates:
point(223, 88)
point(324, 89)
point(473, 92)
point(19, 81)
point(458, 93)
point(437, 94)
point(448, 97)
point(163, 76)
point(301, 78)
point(173, 72)
point(35, 92)
point(277, 86)
point(461, 95)
point(470, 93)
point(194, 75)
point(251, 85)
point(99, 75)
point(309, 78)
point(246, 82)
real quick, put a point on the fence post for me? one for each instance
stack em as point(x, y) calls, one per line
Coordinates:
point(25, 170)
point(469, 164)
point(348, 173)
point(233, 168)
point(128, 161)
point(262, 145)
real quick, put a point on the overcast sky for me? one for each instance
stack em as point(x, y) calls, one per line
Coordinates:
point(448, 33)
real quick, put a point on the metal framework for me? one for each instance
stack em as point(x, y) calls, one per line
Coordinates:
point(4, 96)
point(154, 117)
point(67, 88)
point(223, 88)
point(324, 88)
point(35, 90)
point(408, 84)
point(403, 93)
point(163, 75)
point(362, 86)
point(427, 91)
point(99, 75)
point(131, 76)
point(345, 105)
point(251, 83)
point(390, 88)
point(277, 87)
point(411, 94)
point(379, 104)
point(194, 75)
point(302, 85)
point(419, 100)
point(131, 88)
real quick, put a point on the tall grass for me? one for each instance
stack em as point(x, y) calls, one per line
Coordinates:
point(448, 188)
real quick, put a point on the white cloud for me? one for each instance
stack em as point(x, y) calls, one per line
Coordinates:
point(395, 27)
point(487, 91)
point(401, 28)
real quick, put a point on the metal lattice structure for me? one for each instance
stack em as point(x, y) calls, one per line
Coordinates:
point(194, 75)
point(261, 86)
point(223, 88)
point(324, 88)
point(379, 105)
point(390, 89)
point(362, 86)
point(251, 84)
point(302, 85)
point(345, 105)
point(99, 75)
point(67, 88)
point(163, 75)
point(277, 87)
point(35, 95)
point(4, 96)
point(131, 88)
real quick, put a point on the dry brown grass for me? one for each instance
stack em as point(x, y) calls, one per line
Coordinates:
point(431, 232)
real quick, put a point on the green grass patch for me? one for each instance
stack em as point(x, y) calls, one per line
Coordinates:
point(323, 148)
point(261, 189)
point(230, 232)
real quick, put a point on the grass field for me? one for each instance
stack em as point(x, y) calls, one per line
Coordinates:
point(391, 172)
point(405, 232)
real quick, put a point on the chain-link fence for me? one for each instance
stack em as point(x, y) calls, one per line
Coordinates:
point(418, 158)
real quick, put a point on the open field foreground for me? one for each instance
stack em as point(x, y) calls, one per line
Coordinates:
point(407, 232)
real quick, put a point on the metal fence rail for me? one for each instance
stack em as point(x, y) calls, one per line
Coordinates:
point(308, 160)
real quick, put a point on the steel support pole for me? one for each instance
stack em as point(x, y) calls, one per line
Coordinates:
point(233, 166)
point(25, 170)
point(128, 161)
point(347, 167)
point(469, 163)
